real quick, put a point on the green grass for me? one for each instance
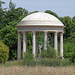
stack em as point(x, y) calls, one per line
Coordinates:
point(48, 62)
point(11, 63)
point(41, 62)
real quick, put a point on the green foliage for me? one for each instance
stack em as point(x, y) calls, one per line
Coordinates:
point(29, 41)
point(30, 63)
point(72, 58)
point(54, 62)
point(51, 39)
point(8, 34)
point(11, 63)
point(11, 15)
point(72, 38)
point(28, 56)
point(49, 53)
point(9, 37)
point(73, 19)
point(40, 38)
point(48, 62)
point(2, 18)
point(41, 62)
point(13, 54)
point(69, 48)
point(14, 15)
point(8, 31)
point(1, 2)
point(50, 12)
point(11, 5)
point(70, 26)
point(4, 52)
point(33, 12)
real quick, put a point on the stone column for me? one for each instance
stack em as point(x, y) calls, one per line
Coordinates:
point(61, 44)
point(34, 44)
point(56, 42)
point(45, 40)
point(19, 45)
point(24, 42)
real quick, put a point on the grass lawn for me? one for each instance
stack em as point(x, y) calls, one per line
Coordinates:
point(16, 68)
point(37, 70)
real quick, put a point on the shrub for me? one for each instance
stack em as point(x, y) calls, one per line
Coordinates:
point(48, 62)
point(30, 63)
point(54, 62)
point(65, 62)
point(4, 52)
point(27, 58)
point(49, 53)
point(73, 57)
point(69, 49)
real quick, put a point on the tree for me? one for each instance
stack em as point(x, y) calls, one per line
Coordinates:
point(12, 5)
point(1, 2)
point(70, 26)
point(11, 16)
point(2, 13)
point(8, 34)
point(50, 12)
point(61, 19)
point(72, 38)
point(9, 37)
point(69, 49)
point(33, 12)
point(2, 18)
point(73, 19)
point(20, 11)
point(14, 15)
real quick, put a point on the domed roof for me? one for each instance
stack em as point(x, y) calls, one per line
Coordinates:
point(40, 19)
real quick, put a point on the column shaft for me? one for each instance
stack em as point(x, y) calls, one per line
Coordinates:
point(56, 42)
point(19, 45)
point(61, 45)
point(24, 42)
point(45, 40)
point(34, 44)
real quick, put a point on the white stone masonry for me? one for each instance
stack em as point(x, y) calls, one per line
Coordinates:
point(34, 43)
point(56, 42)
point(61, 45)
point(45, 40)
point(19, 45)
point(24, 42)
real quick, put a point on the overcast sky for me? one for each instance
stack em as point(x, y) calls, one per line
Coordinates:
point(61, 7)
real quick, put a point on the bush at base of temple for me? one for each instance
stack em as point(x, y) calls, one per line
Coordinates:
point(4, 52)
point(49, 53)
point(27, 57)
point(73, 57)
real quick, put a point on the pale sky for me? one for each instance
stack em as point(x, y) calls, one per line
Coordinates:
point(61, 7)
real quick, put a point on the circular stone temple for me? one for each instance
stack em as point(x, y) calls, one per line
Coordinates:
point(40, 22)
